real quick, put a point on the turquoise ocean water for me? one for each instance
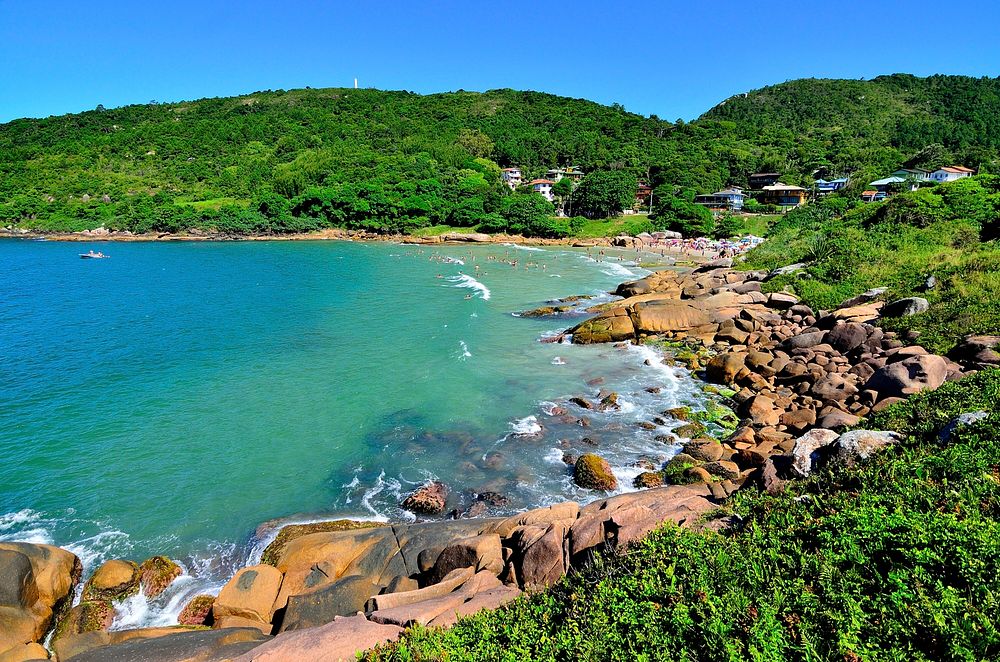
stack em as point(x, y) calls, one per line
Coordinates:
point(172, 398)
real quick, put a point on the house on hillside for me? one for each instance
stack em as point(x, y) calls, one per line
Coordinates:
point(642, 194)
point(512, 177)
point(889, 185)
point(783, 195)
point(759, 180)
point(873, 196)
point(826, 187)
point(728, 199)
point(916, 174)
point(543, 187)
point(951, 173)
point(555, 174)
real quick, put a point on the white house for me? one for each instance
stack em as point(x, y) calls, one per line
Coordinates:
point(951, 173)
point(555, 174)
point(543, 187)
point(916, 174)
point(512, 177)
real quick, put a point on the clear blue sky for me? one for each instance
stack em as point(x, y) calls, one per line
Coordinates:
point(673, 59)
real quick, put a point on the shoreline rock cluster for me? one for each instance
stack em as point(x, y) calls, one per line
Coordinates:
point(340, 586)
point(800, 377)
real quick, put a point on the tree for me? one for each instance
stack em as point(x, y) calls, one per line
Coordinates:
point(679, 215)
point(475, 142)
point(605, 193)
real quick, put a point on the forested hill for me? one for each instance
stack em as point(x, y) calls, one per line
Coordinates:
point(294, 160)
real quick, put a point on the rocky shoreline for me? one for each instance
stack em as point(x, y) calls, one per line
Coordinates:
point(331, 234)
point(800, 381)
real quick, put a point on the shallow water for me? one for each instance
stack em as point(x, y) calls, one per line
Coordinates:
point(172, 398)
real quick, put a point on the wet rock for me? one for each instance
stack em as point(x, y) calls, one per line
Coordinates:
point(690, 431)
point(198, 611)
point(648, 479)
point(113, 580)
point(429, 499)
point(593, 472)
point(156, 574)
point(609, 402)
point(582, 403)
point(805, 453)
point(88, 616)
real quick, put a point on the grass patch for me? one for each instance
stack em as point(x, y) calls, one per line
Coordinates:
point(438, 230)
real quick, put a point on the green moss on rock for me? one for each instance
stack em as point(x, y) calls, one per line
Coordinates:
point(593, 472)
point(156, 574)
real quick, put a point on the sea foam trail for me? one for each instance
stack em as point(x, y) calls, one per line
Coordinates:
point(526, 426)
point(526, 248)
point(465, 353)
point(467, 281)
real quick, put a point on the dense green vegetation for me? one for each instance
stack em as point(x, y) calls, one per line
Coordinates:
point(290, 161)
point(898, 559)
point(948, 232)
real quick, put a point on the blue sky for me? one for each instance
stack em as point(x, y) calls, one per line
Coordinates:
point(672, 59)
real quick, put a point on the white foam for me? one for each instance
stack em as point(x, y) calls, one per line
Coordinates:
point(521, 247)
point(466, 354)
point(558, 361)
point(528, 425)
point(467, 281)
point(616, 269)
point(554, 456)
point(453, 260)
point(381, 484)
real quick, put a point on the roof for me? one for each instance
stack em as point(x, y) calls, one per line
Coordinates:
point(841, 180)
point(766, 174)
point(870, 193)
point(541, 181)
point(957, 169)
point(783, 187)
point(510, 169)
point(887, 180)
point(913, 170)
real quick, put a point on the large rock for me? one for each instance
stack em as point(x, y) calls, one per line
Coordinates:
point(593, 472)
point(250, 594)
point(725, 368)
point(846, 337)
point(198, 611)
point(539, 555)
point(627, 517)
point(977, 352)
point(429, 499)
point(905, 307)
point(338, 641)
point(160, 644)
point(833, 387)
point(36, 584)
point(805, 453)
point(662, 316)
point(859, 445)
point(959, 422)
point(88, 616)
point(113, 580)
point(493, 598)
point(156, 574)
point(25, 653)
point(566, 511)
point(909, 376)
point(452, 581)
point(425, 611)
point(344, 597)
point(613, 326)
point(290, 532)
point(482, 552)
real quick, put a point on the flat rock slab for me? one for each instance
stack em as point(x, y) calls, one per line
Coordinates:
point(164, 645)
point(341, 639)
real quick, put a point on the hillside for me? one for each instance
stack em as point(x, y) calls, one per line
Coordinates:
point(281, 161)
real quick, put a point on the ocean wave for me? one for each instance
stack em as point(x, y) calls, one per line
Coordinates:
point(466, 354)
point(467, 281)
point(522, 247)
point(382, 484)
point(616, 269)
point(453, 260)
point(558, 361)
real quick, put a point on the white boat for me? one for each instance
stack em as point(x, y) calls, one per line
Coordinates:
point(91, 255)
